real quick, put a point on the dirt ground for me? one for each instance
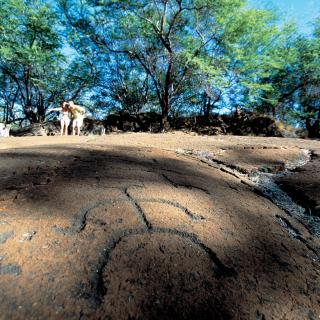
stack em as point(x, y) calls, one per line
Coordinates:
point(127, 226)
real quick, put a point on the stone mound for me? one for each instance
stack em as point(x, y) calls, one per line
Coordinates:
point(238, 123)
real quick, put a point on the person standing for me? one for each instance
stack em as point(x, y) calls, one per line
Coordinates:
point(64, 117)
point(77, 113)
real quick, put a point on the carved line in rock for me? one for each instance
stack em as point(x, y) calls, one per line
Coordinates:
point(294, 233)
point(187, 186)
point(99, 290)
point(138, 210)
point(79, 220)
point(191, 215)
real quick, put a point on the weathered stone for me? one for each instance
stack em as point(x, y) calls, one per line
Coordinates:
point(260, 316)
point(4, 236)
point(3, 256)
point(36, 129)
point(28, 236)
point(10, 269)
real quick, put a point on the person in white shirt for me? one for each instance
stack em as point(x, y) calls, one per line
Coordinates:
point(64, 117)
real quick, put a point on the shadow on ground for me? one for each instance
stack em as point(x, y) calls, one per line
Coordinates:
point(141, 233)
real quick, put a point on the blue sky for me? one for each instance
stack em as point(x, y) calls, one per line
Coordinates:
point(304, 12)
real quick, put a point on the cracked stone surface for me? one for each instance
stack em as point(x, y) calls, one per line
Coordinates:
point(304, 184)
point(126, 227)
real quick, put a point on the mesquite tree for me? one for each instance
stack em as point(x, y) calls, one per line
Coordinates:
point(29, 56)
point(172, 40)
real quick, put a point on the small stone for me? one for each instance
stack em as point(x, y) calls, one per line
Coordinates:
point(4, 236)
point(264, 169)
point(10, 269)
point(28, 236)
point(311, 315)
point(260, 316)
point(195, 275)
point(2, 256)
point(90, 237)
point(4, 223)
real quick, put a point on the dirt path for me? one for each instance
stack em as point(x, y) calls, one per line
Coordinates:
point(132, 227)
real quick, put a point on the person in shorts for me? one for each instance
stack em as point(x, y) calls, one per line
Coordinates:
point(64, 117)
point(77, 113)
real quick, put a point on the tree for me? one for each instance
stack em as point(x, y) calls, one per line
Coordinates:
point(172, 40)
point(122, 84)
point(308, 86)
point(294, 80)
point(30, 61)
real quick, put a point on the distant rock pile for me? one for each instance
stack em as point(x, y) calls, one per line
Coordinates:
point(238, 123)
point(36, 129)
point(148, 121)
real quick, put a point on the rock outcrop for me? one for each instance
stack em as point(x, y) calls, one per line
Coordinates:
point(238, 123)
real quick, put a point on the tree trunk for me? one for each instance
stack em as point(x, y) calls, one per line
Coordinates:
point(30, 115)
point(41, 108)
point(207, 109)
point(165, 103)
point(6, 113)
point(165, 107)
point(313, 128)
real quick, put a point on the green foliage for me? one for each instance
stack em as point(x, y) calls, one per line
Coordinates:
point(35, 74)
point(29, 53)
point(179, 44)
point(163, 55)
